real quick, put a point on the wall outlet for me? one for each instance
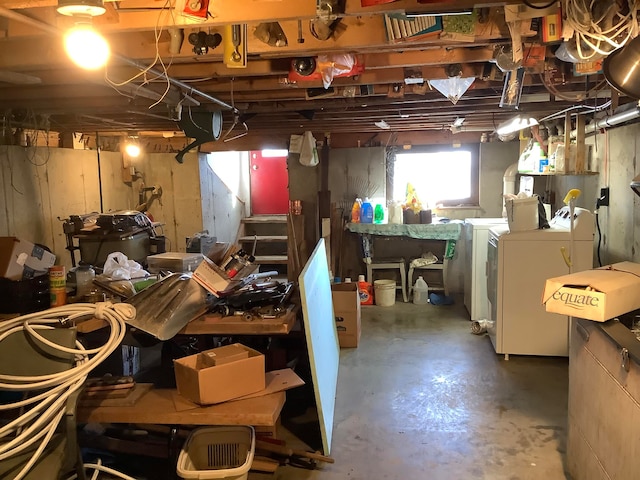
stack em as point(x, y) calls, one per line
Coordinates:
point(603, 201)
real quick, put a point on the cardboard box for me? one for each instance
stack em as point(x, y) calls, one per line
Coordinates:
point(22, 260)
point(221, 355)
point(346, 308)
point(220, 383)
point(213, 278)
point(600, 294)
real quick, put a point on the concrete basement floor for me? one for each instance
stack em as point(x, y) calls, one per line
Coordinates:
point(423, 398)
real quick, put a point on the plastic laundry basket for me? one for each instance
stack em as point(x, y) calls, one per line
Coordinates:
point(218, 452)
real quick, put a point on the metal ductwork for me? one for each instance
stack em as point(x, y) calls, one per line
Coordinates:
point(611, 121)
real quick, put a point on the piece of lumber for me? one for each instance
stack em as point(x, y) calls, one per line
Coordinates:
point(264, 464)
point(274, 448)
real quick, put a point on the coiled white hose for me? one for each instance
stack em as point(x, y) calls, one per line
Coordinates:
point(46, 409)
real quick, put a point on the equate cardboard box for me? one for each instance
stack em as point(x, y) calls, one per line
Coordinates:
point(346, 308)
point(221, 382)
point(20, 259)
point(600, 294)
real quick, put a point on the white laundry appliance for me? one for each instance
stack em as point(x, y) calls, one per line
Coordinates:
point(476, 235)
point(518, 264)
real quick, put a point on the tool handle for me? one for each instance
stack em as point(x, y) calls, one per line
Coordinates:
point(270, 447)
point(314, 456)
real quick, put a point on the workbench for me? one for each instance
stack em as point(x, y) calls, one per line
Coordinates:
point(393, 241)
point(158, 406)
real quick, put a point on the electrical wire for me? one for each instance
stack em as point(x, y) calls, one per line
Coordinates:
point(590, 21)
point(599, 238)
point(158, 29)
point(45, 409)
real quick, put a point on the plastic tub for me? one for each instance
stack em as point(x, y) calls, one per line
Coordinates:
point(385, 292)
point(217, 452)
point(522, 213)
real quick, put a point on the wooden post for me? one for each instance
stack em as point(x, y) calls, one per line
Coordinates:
point(580, 145)
point(567, 142)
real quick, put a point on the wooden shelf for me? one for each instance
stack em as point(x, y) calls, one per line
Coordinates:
point(264, 238)
point(266, 219)
point(271, 259)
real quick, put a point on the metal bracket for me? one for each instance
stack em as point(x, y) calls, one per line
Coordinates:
point(584, 333)
point(626, 364)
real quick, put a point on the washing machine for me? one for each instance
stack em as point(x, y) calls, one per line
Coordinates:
point(476, 235)
point(518, 265)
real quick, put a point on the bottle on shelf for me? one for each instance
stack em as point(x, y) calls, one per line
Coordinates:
point(366, 212)
point(84, 280)
point(355, 211)
point(378, 214)
point(365, 291)
point(420, 292)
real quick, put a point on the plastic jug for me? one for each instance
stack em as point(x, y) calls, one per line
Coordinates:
point(84, 280)
point(365, 291)
point(420, 292)
point(366, 212)
point(395, 213)
point(355, 211)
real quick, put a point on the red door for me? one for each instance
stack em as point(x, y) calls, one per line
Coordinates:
point(269, 184)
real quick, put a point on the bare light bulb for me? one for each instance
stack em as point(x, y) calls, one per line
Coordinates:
point(132, 149)
point(86, 47)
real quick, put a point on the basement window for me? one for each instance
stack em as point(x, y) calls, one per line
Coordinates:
point(441, 175)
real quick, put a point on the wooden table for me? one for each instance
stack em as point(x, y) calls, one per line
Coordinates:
point(158, 407)
point(216, 324)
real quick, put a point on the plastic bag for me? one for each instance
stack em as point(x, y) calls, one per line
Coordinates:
point(331, 66)
point(309, 151)
point(412, 201)
point(119, 267)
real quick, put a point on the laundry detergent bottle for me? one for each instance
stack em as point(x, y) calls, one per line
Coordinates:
point(366, 212)
point(355, 211)
point(365, 291)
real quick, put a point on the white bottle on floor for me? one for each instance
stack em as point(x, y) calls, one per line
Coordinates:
point(420, 292)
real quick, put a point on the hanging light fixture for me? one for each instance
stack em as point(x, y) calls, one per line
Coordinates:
point(84, 45)
point(89, 8)
point(132, 147)
point(515, 124)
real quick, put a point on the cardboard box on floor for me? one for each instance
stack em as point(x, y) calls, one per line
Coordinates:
point(346, 308)
point(600, 294)
point(220, 383)
point(21, 260)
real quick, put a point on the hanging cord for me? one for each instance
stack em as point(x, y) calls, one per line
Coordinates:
point(45, 410)
point(599, 27)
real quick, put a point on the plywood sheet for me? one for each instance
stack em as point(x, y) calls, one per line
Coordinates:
point(322, 338)
point(157, 407)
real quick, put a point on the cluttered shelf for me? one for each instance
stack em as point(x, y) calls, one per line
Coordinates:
point(431, 231)
point(217, 324)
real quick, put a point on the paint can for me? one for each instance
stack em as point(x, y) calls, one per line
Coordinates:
point(58, 285)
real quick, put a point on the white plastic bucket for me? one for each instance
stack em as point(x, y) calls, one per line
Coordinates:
point(385, 292)
point(522, 213)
